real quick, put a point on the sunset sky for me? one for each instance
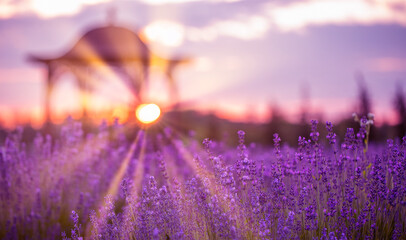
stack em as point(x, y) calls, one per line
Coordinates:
point(247, 54)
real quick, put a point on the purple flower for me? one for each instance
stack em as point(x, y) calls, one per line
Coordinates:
point(331, 136)
point(314, 134)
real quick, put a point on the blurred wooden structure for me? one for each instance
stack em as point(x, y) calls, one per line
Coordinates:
point(110, 46)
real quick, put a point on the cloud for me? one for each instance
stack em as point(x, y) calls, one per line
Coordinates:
point(44, 8)
point(291, 16)
point(285, 17)
point(159, 2)
point(173, 34)
point(167, 33)
point(299, 15)
point(55, 8)
point(247, 28)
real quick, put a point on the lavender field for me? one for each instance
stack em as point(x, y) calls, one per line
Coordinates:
point(171, 186)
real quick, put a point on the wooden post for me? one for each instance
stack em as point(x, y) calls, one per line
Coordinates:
point(48, 92)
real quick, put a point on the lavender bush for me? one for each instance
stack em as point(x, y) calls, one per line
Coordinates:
point(168, 186)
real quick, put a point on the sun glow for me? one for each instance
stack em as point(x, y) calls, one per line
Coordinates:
point(167, 33)
point(148, 113)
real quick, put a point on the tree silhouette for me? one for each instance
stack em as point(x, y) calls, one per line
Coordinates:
point(305, 103)
point(364, 104)
point(400, 107)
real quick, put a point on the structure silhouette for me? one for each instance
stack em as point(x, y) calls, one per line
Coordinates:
point(113, 47)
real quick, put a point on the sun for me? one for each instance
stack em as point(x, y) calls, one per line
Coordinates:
point(148, 113)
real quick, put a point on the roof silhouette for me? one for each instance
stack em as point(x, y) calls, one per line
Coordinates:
point(109, 44)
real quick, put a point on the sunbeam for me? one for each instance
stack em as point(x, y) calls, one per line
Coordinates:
point(118, 177)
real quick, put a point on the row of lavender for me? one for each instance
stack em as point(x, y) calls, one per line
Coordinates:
point(169, 186)
point(41, 182)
